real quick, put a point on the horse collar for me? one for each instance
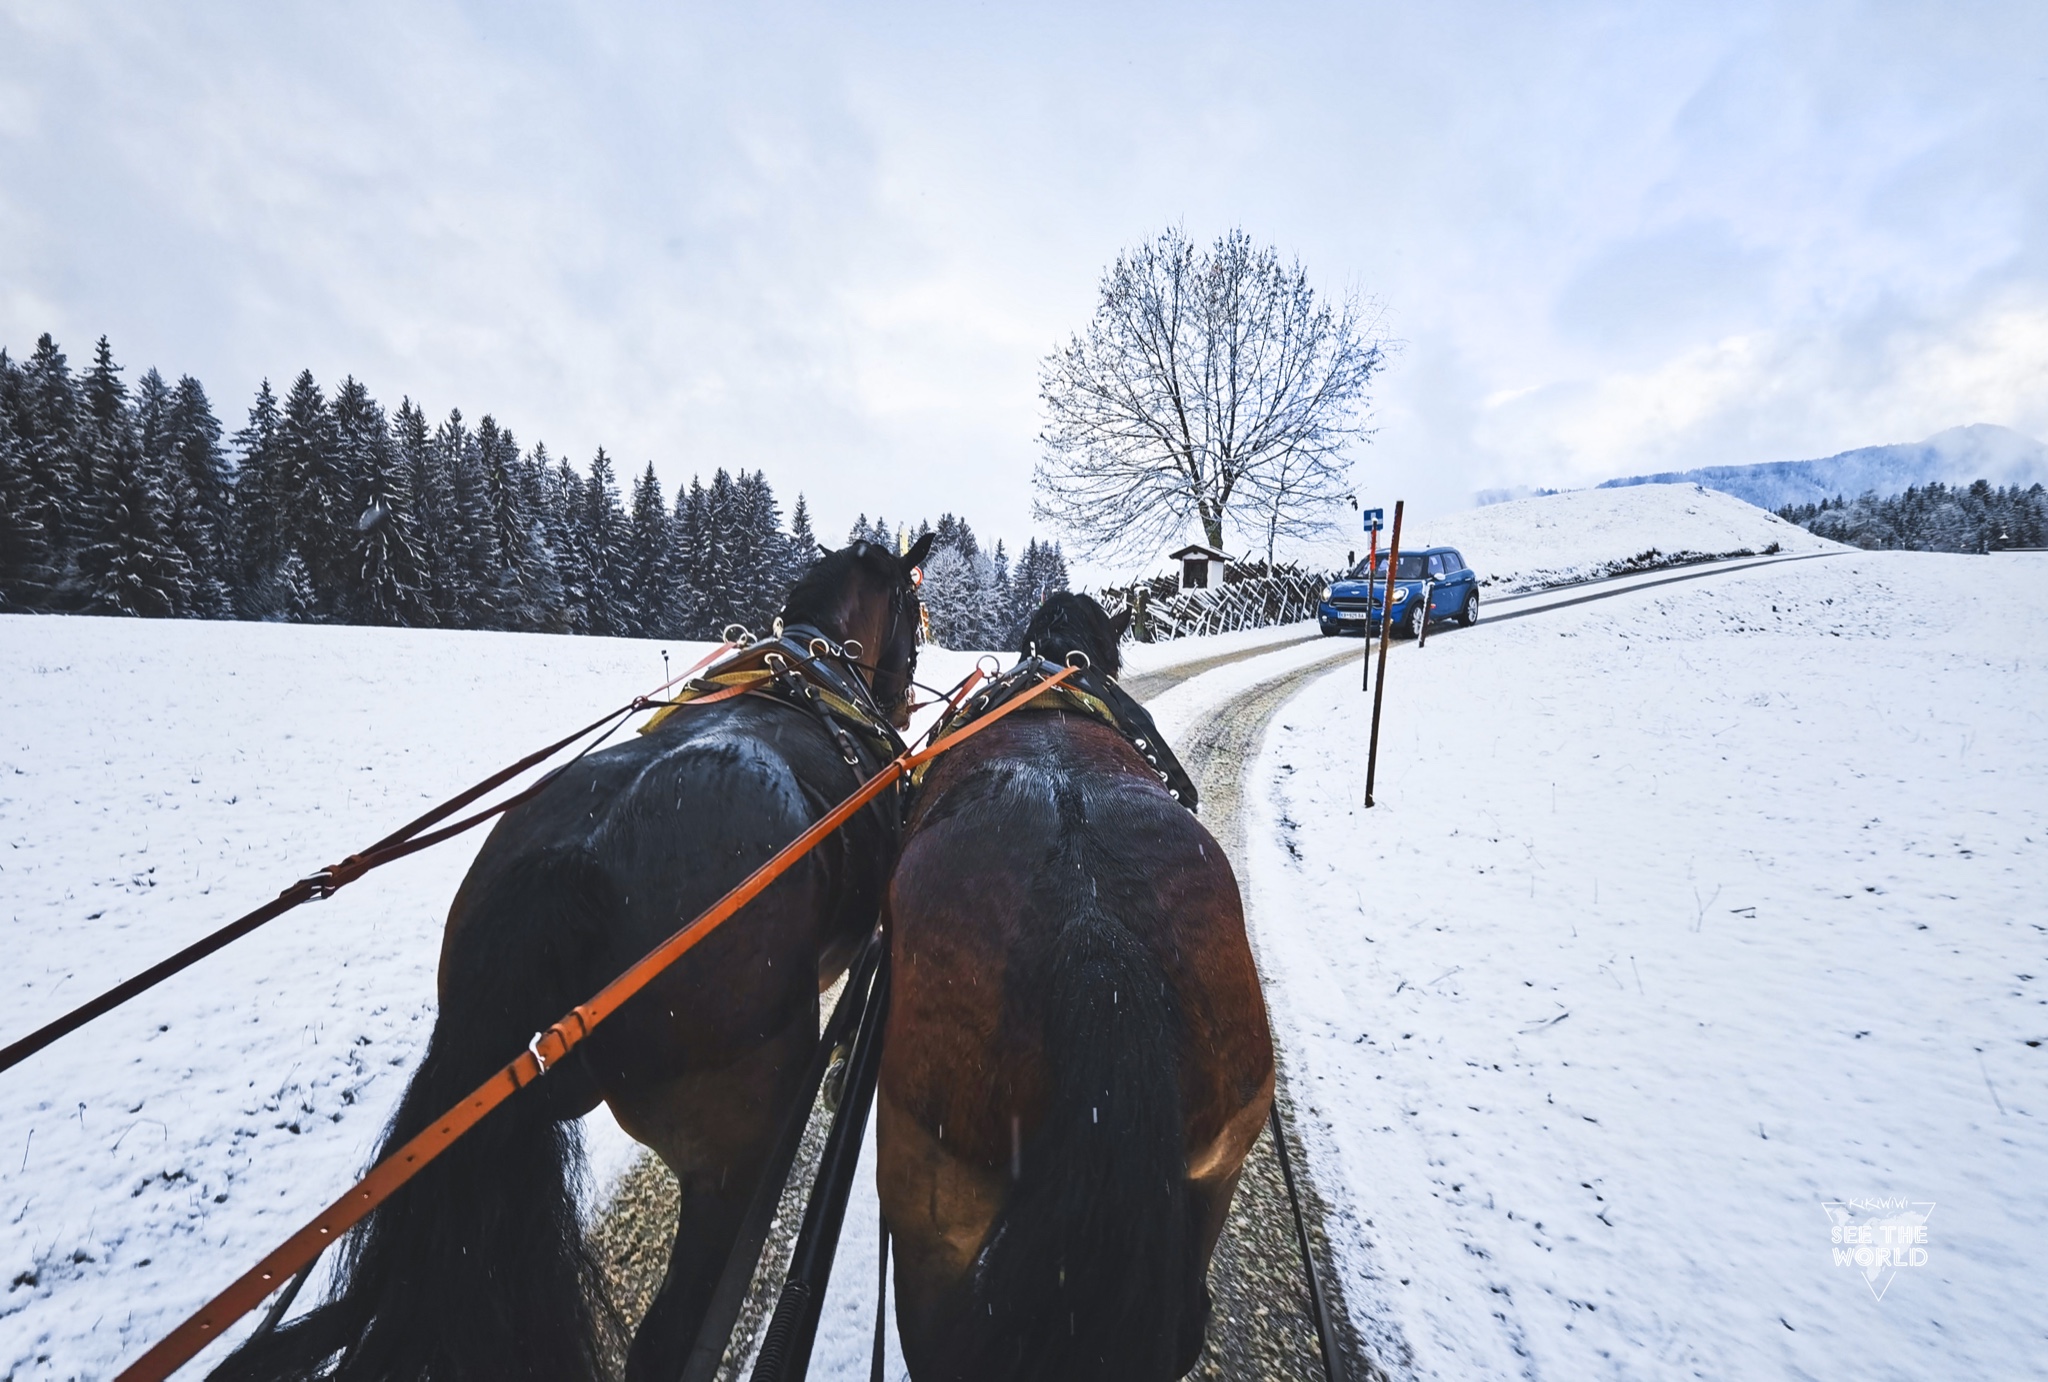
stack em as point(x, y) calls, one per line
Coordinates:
point(1091, 693)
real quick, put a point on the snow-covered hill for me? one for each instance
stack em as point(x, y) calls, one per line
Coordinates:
point(1526, 544)
point(1957, 456)
point(1681, 916)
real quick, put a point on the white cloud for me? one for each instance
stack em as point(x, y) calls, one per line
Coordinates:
point(834, 243)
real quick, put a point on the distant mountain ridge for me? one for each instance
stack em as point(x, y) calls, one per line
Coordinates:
point(1981, 451)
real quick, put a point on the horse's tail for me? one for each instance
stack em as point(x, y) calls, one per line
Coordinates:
point(475, 1270)
point(1091, 1270)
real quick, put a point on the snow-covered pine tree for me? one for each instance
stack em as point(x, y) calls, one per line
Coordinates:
point(260, 540)
point(317, 495)
point(650, 548)
point(547, 598)
point(565, 540)
point(759, 550)
point(955, 532)
point(155, 431)
point(687, 542)
point(107, 431)
point(967, 608)
point(132, 566)
point(1001, 604)
point(514, 548)
point(605, 539)
point(947, 596)
point(202, 508)
point(471, 569)
point(152, 414)
point(385, 573)
point(24, 541)
point(433, 504)
point(878, 532)
point(802, 548)
point(49, 428)
point(1041, 570)
point(292, 592)
point(716, 574)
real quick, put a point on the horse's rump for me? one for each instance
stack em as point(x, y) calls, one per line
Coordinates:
point(477, 1268)
point(1076, 1018)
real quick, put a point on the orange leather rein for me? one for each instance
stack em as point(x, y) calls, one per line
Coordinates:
point(544, 1050)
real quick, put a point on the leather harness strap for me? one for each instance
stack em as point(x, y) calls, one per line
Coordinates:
point(1093, 695)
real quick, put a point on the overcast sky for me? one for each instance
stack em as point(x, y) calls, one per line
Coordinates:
point(834, 241)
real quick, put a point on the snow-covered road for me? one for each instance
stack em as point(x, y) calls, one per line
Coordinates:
point(1680, 916)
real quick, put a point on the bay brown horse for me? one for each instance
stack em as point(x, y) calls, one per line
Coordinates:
point(1077, 1058)
point(477, 1271)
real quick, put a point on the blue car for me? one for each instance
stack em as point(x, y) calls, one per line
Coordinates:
point(1352, 605)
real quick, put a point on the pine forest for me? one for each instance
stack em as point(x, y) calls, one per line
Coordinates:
point(326, 509)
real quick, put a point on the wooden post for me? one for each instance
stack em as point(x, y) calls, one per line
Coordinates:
point(1379, 690)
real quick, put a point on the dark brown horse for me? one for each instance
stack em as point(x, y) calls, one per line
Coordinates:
point(1077, 1057)
point(478, 1269)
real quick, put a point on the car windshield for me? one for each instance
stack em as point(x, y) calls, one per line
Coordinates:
point(1410, 569)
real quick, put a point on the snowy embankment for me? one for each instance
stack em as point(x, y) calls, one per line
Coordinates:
point(1581, 535)
point(158, 778)
point(1679, 916)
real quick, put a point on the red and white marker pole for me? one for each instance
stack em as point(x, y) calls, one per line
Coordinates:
point(1372, 554)
point(1379, 691)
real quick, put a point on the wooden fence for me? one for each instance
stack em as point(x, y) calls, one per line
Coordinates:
point(1248, 604)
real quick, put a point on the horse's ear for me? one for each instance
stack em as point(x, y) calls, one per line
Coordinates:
point(1119, 626)
point(919, 550)
point(823, 550)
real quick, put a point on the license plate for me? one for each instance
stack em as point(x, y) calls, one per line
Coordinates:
point(1353, 614)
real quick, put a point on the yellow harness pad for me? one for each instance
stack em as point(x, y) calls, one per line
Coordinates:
point(701, 687)
point(1061, 697)
point(757, 676)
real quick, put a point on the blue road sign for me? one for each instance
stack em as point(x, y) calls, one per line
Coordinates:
point(1374, 519)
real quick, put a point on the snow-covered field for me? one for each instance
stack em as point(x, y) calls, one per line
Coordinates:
point(1583, 534)
point(156, 779)
point(1679, 916)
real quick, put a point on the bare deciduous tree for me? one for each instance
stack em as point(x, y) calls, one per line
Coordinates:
point(1208, 383)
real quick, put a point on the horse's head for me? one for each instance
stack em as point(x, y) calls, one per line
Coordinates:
point(1068, 623)
point(865, 594)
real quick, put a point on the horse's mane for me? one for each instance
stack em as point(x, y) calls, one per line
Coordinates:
point(820, 596)
point(1067, 621)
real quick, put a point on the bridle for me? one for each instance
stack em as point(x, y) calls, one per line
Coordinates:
point(849, 653)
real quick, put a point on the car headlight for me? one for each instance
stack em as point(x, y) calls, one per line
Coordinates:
point(1327, 592)
point(1400, 594)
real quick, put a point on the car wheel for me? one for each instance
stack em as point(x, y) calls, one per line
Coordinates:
point(1329, 630)
point(1469, 615)
point(1412, 625)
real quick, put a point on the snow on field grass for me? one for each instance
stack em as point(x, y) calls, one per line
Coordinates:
point(1681, 915)
point(157, 779)
point(1584, 534)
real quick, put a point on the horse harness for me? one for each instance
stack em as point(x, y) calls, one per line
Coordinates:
point(808, 670)
point(1089, 693)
